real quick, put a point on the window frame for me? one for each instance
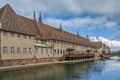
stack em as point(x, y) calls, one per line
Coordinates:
point(29, 50)
point(18, 50)
point(41, 50)
point(24, 50)
point(12, 50)
point(46, 50)
point(5, 50)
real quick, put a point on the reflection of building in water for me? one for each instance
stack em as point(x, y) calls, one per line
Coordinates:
point(101, 47)
point(51, 72)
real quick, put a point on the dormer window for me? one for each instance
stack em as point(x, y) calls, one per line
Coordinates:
point(8, 25)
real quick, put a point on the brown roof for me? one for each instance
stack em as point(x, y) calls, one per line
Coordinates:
point(50, 32)
point(13, 22)
point(10, 21)
point(45, 31)
point(30, 24)
point(1, 12)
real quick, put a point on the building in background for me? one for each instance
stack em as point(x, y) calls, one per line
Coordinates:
point(101, 47)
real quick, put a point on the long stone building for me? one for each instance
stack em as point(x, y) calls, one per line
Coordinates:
point(23, 40)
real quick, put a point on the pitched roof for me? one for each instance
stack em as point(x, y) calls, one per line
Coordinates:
point(30, 24)
point(50, 32)
point(10, 21)
point(1, 12)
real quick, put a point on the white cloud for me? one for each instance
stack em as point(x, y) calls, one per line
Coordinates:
point(113, 44)
point(67, 6)
point(93, 38)
point(110, 24)
point(89, 23)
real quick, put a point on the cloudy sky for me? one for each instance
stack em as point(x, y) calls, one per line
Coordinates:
point(100, 19)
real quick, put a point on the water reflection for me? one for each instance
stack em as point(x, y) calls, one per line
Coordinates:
point(115, 57)
point(94, 70)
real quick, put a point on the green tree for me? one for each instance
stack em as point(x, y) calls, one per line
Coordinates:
point(103, 51)
point(118, 52)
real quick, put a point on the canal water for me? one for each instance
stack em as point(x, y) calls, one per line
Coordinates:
point(92, 70)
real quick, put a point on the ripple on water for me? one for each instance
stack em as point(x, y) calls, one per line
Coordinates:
point(92, 70)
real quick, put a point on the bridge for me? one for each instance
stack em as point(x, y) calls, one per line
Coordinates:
point(108, 55)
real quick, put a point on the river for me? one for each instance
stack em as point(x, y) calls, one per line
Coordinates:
point(92, 70)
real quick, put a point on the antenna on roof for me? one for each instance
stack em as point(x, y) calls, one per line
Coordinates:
point(34, 16)
point(61, 26)
point(40, 17)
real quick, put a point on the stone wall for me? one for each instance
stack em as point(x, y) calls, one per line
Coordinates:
point(9, 39)
point(14, 62)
